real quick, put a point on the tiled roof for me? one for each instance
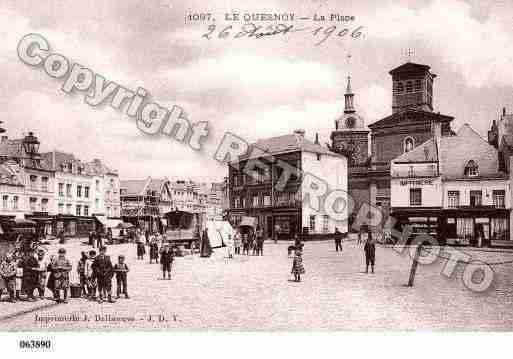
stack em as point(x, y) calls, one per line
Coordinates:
point(283, 144)
point(409, 66)
point(8, 176)
point(409, 113)
point(134, 187)
point(422, 153)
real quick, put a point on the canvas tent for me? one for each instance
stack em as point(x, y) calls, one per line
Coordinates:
point(218, 233)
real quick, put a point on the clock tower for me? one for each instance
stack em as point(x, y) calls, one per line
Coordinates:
point(350, 137)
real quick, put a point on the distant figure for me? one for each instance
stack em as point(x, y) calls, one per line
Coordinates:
point(237, 242)
point(154, 249)
point(338, 239)
point(166, 260)
point(297, 265)
point(206, 248)
point(99, 242)
point(370, 253)
point(141, 249)
point(245, 244)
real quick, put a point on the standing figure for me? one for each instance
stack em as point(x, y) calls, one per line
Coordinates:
point(154, 249)
point(141, 249)
point(166, 260)
point(99, 241)
point(338, 239)
point(206, 248)
point(260, 242)
point(8, 273)
point(297, 265)
point(245, 244)
point(61, 268)
point(237, 242)
point(89, 275)
point(30, 274)
point(370, 253)
point(104, 271)
point(91, 238)
point(51, 278)
point(230, 245)
point(81, 274)
point(42, 272)
point(121, 270)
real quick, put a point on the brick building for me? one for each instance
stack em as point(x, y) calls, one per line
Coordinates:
point(410, 124)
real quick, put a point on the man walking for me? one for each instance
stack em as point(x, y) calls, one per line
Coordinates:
point(370, 253)
point(104, 272)
point(338, 239)
point(166, 260)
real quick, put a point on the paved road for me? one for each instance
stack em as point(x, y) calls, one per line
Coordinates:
point(255, 293)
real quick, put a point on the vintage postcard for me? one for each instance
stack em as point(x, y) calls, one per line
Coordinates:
point(270, 166)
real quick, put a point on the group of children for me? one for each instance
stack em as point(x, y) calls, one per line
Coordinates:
point(36, 272)
point(249, 242)
point(166, 253)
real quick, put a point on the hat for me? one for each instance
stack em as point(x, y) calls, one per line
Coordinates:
point(121, 256)
point(62, 251)
point(40, 251)
point(92, 253)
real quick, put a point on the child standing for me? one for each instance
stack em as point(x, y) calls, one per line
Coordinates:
point(89, 275)
point(141, 250)
point(121, 270)
point(81, 274)
point(297, 265)
point(370, 253)
point(61, 268)
point(8, 273)
point(166, 260)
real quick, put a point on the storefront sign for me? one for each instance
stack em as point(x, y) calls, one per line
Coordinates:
point(416, 182)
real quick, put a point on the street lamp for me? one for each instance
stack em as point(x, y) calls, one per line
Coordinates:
point(31, 144)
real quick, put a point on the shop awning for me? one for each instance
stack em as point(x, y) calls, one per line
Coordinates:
point(107, 222)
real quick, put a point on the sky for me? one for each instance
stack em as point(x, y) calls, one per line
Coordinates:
point(254, 88)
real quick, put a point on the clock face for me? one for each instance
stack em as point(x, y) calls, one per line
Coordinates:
point(350, 122)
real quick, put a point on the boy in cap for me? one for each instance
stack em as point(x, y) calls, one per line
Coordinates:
point(166, 260)
point(103, 271)
point(8, 273)
point(121, 270)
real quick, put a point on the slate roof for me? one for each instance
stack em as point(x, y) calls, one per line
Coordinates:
point(409, 66)
point(134, 187)
point(284, 144)
point(426, 152)
point(410, 113)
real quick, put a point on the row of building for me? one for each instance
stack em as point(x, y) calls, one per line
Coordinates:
point(410, 165)
point(65, 194)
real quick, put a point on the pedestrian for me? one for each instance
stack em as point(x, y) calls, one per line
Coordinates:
point(166, 261)
point(91, 238)
point(260, 242)
point(154, 249)
point(30, 274)
point(141, 249)
point(370, 253)
point(19, 279)
point(61, 236)
point(103, 271)
point(121, 269)
point(89, 275)
point(42, 272)
point(229, 246)
point(8, 274)
point(81, 274)
point(51, 278)
point(61, 268)
point(245, 244)
point(147, 236)
point(363, 235)
point(99, 240)
point(338, 239)
point(237, 242)
point(297, 265)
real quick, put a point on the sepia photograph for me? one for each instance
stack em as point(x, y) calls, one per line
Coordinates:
point(250, 168)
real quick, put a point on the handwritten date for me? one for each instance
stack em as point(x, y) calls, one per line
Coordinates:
point(251, 30)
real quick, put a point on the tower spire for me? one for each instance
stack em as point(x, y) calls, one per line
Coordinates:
point(349, 97)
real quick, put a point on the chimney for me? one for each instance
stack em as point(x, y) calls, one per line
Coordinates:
point(316, 138)
point(300, 132)
point(504, 111)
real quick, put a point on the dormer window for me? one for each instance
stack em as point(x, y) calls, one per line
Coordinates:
point(408, 144)
point(471, 169)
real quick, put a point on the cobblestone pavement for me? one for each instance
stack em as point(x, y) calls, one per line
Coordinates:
point(255, 293)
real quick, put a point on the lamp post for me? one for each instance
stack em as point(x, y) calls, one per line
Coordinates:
point(31, 146)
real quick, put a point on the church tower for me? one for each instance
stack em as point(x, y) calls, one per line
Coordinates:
point(412, 87)
point(350, 136)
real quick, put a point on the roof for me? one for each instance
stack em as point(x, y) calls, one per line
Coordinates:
point(9, 177)
point(409, 67)
point(134, 187)
point(410, 114)
point(284, 144)
point(13, 149)
point(426, 152)
point(157, 184)
point(456, 151)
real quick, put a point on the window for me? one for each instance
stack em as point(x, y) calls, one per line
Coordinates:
point(415, 197)
point(61, 189)
point(68, 190)
point(243, 202)
point(33, 203)
point(108, 212)
point(5, 200)
point(33, 181)
point(61, 208)
point(79, 210)
point(86, 210)
point(471, 169)
point(44, 184)
point(15, 202)
point(400, 87)
point(417, 85)
point(408, 144)
point(498, 198)
point(325, 221)
point(97, 204)
point(453, 199)
point(86, 192)
point(237, 202)
point(79, 191)
point(267, 200)
point(411, 172)
point(107, 195)
point(98, 185)
point(68, 208)
point(44, 205)
point(409, 86)
point(312, 223)
point(475, 198)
